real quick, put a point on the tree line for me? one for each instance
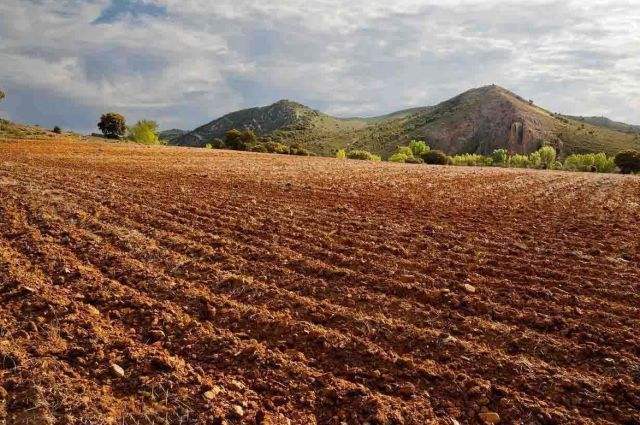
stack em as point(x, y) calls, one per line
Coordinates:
point(546, 157)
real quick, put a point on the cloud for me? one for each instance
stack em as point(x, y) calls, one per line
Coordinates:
point(185, 62)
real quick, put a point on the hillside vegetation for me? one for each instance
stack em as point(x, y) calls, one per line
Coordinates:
point(11, 130)
point(477, 121)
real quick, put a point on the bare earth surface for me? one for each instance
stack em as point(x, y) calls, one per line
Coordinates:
point(164, 285)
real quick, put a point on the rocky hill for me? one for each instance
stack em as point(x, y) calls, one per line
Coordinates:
point(607, 123)
point(283, 120)
point(476, 121)
point(169, 135)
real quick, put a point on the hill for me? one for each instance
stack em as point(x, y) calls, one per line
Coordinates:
point(607, 123)
point(476, 121)
point(11, 130)
point(169, 135)
point(283, 120)
point(146, 285)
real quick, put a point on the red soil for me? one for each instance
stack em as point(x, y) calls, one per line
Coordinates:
point(253, 288)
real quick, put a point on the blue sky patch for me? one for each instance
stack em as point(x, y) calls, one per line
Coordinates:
point(119, 9)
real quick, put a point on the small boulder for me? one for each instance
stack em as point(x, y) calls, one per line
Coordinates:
point(117, 370)
point(489, 417)
point(236, 411)
point(469, 288)
point(212, 393)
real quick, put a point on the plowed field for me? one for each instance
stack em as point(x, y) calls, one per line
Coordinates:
point(160, 285)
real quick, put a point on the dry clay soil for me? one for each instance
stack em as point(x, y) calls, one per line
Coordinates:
point(181, 286)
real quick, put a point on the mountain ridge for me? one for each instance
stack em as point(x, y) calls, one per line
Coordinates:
point(478, 120)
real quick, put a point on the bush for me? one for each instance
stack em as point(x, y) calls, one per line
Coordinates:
point(57, 130)
point(628, 161)
point(547, 157)
point(341, 154)
point(435, 157)
point(599, 162)
point(499, 157)
point(414, 160)
point(259, 148)
point(535, 160)
point(216, 143)
point(405, 150)
point(398, 157)
point(145, 132)
point(362, 155)
point(276, 147)
point(298, 150)
point(1, 95)
point(208, 146)
point(112, 125)
point(240, 140)
point(418, 147)
point(469, 159)
point(519, 161)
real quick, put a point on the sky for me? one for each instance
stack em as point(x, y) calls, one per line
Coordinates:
point(186, 62)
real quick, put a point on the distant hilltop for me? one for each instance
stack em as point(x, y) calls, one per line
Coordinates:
point(476, 121)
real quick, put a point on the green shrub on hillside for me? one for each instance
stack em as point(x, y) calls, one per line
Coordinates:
point(518, 161)
point(435, 157)
point(341, 154)
point(260, 147)
point(547, 157)
point(414, 160)
point(57, 130)
point(217, 143)
point(403, 153)
point(628, 161)
point(277, 147)
point(405, 150)
point(362, 155)
point(144, 132)
point(468, 159)
point(398, 157)
point(418, 147)
point(499, 157)
point(599, 162)
point(240, 140)
point(298, 150)
point(535, 160)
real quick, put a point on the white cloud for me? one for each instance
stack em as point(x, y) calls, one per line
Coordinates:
point(353, 58)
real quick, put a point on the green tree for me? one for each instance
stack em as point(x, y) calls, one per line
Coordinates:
point(418, 147)
point(399, 157)
point(435, 157)
point(499, 156)
point(145, 132)
point(233, 139)
point(248, 139)
point(240, 140)
point(1, 95)
point(519, 161)
point(112, 125)
point(547, 157)
point(628, 161)
point(363, 155)
point(535, 160)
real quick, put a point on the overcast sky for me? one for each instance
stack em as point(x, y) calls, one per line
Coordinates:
point(186, 62)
